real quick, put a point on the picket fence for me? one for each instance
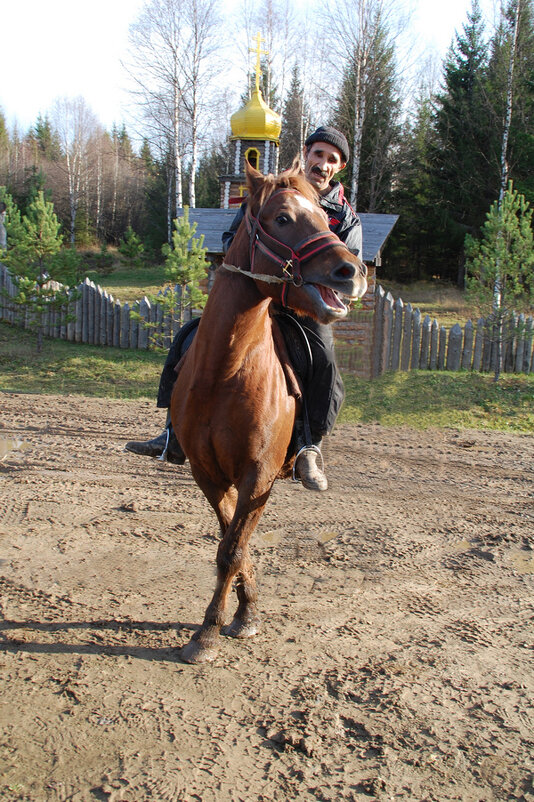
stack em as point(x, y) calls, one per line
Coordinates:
point(403, 341)
point(400, 339)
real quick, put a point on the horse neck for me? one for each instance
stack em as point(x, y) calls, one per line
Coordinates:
point(236, 317)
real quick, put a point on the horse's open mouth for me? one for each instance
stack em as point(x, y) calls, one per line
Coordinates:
point(331, 298)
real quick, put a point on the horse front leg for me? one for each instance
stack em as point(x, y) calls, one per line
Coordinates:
point(246, 621)
point(232, 562)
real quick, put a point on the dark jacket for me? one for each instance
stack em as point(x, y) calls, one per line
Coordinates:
point(342, 220)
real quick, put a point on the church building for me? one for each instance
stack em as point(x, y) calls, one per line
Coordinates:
point(255, 138)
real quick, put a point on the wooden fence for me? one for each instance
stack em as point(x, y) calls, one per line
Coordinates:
point(93, 316)
point(402, 341)
point(399, 340)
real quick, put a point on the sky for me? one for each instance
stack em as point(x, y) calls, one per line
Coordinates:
point(70, 48)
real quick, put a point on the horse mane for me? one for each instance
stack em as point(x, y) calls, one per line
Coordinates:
point(292, 178)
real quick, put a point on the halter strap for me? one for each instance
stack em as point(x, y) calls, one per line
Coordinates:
point(288, 259)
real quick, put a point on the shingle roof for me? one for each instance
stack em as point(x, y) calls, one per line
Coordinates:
point(376, 229)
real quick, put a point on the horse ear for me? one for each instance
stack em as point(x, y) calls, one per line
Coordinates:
point(254, 178)
point(297, 166)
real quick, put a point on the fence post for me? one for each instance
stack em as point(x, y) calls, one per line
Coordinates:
point(134, 328)
point(387, 325)
point(479, 345)
point(455, 348)
point(144, 311)
point(397, 333)
point(377, 330)
point(425, 343)
point(434, 337)
point(467, 351)
point(406, 337)
point(125, 326)
point(103, 318)
point(416, 339)
point(117, 317)
point(110, 319)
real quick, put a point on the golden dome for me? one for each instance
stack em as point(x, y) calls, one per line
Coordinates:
point(256, 120)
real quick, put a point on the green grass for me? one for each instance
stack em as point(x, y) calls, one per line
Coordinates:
point(419, 399)
point(64, 367)
point(129, 284)
point(424, 399)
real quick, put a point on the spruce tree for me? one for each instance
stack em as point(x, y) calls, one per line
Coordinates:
point(466, 155)
point(504, 254)
point(296, 120)
point(185, 266)
point(35, 263)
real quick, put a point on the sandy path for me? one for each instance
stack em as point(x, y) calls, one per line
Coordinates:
point(395, 659)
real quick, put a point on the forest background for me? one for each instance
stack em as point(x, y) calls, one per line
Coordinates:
point(426, 138)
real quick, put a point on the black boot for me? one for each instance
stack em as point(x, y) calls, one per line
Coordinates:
point(165, 446)
point(305, 467)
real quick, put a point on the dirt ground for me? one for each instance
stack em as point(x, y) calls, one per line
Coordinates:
point(395, 659)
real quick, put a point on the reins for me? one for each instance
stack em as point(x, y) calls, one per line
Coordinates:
point(288, 259)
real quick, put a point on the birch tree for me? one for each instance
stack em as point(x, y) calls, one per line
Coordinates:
point(75, 125)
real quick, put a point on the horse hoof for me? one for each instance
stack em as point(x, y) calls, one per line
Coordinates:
point(195, 652)
point(242, 629)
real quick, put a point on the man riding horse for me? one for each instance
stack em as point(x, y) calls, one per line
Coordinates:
point(326, 153)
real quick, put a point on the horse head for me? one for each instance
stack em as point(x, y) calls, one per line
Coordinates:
point(293, 256)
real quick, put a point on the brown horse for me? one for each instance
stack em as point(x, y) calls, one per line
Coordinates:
point(232, 407)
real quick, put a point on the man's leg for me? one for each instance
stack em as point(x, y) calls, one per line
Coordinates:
point(165, 446)
point(324, 396)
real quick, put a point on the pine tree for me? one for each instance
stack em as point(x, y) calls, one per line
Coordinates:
point(412, 252)
point(466, 155)
point(34, 245)
point(185, 266)
point(503, 254)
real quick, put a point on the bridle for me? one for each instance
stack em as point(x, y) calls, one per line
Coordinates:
point(288, 259)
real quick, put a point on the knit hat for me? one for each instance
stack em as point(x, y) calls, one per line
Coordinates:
point(326, 133)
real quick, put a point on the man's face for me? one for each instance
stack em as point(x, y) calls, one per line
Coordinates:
point(322, 162)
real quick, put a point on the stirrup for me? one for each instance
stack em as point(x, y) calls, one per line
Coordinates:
point(301, 451)
point(163, 455)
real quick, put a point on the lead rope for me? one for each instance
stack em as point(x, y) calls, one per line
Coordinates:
point(258, 276)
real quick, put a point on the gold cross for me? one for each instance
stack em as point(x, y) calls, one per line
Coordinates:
point(259, 52)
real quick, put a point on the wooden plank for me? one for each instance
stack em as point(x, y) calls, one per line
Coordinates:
point(416, 339)
point(134, 330)
point(442, 348)
point(110, 320)
point(102, 334)
point(406, 337)
point(454, 350)
point(125, 326)
point(467, 351)
point(144, 311)
point(387, 325)
point(479, 344)
point(425, 343)
point(377, 330)
point(117, 317)
point(434, 340)
point(398, 311)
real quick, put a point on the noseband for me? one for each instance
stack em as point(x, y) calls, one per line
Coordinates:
point(288, 259)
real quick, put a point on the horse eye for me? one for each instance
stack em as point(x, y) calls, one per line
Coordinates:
point(282, 219)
